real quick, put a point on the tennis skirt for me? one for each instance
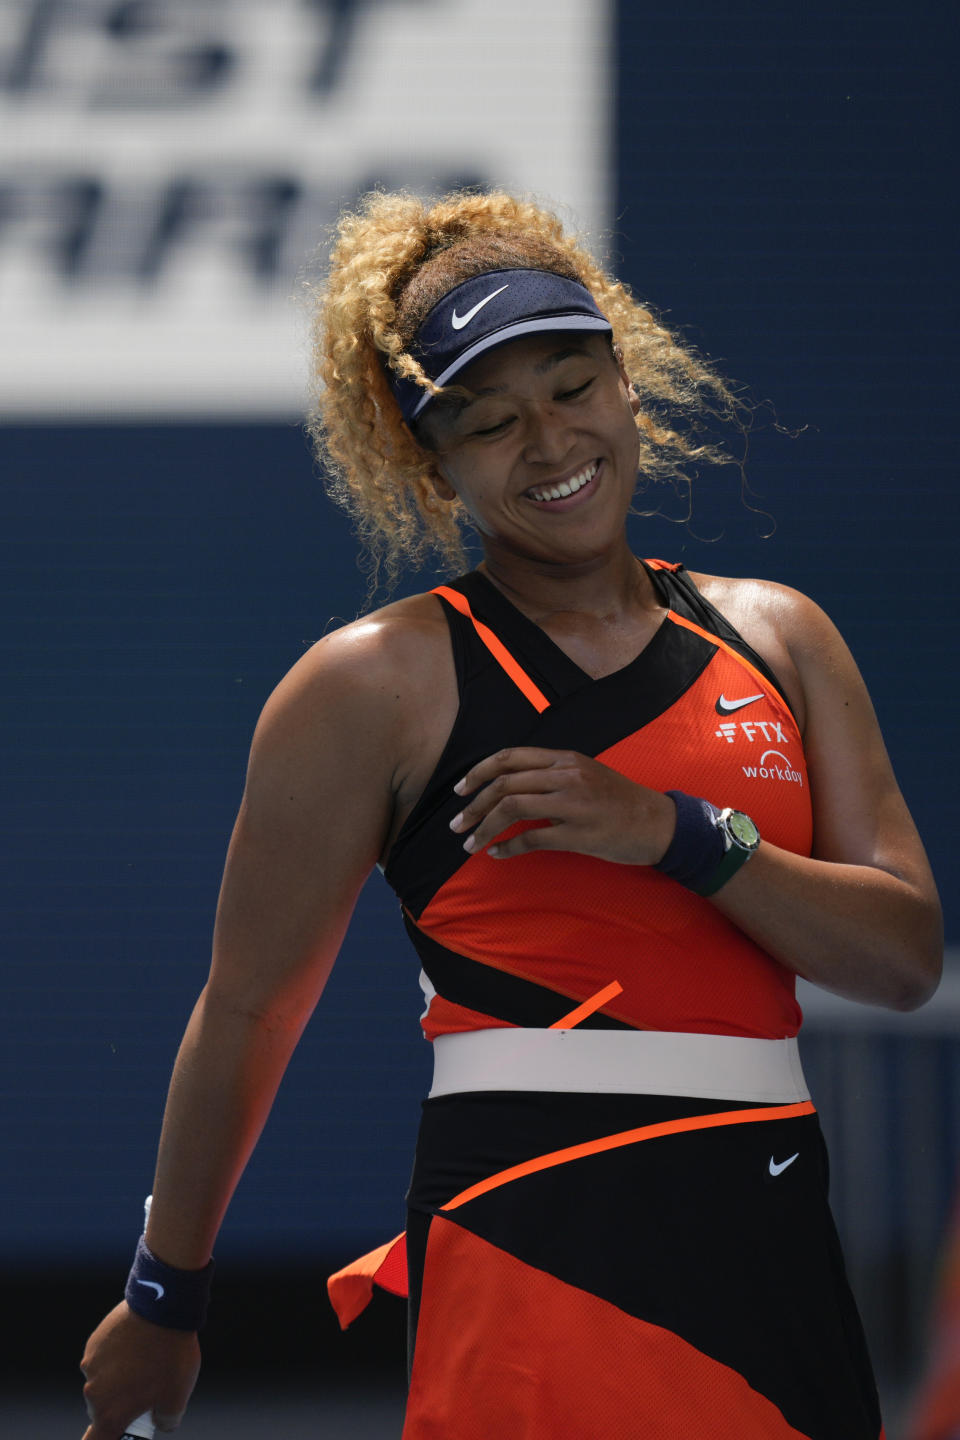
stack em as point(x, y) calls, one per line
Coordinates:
point(589, 1266)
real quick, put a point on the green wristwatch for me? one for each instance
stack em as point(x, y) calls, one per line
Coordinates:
point(740, 838)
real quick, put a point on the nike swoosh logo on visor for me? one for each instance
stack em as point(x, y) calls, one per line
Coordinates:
point(458, 321)
point(727, 707)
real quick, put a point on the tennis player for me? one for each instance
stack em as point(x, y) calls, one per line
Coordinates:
point(623, 807)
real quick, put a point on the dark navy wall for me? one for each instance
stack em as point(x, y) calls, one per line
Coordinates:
point(158, 582)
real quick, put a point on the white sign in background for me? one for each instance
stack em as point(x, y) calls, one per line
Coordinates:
point(167, 168)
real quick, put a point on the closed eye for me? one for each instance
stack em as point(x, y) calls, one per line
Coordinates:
point(495, 429)
point(580, 389)
point(563, 395)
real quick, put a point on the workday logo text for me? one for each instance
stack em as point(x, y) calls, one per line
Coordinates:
point(773, 766)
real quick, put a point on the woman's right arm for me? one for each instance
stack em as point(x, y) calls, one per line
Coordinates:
point(315, 813)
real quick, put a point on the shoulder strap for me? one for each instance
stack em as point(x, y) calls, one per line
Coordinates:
point(674, 584)
point(496, 647)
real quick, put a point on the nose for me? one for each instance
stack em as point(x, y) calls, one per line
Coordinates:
point(548, 437)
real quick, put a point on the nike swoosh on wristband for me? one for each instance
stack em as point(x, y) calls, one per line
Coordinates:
point(776, 1169)
point(727, 707)
point(154, 1285)
point(458, 321)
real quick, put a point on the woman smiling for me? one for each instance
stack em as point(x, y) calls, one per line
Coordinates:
point(623, 807)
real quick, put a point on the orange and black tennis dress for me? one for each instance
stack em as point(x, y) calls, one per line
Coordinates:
point(617, 1221)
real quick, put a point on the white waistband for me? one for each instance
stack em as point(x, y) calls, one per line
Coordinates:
point(632, 1062)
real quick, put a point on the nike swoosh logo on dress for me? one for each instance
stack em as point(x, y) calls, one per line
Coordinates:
point(727, 707)
point(776, 1169)
point(458, 321)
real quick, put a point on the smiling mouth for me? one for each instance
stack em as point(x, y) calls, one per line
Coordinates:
point(548, 494)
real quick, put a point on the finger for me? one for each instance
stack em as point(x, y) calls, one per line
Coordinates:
point(543, 836)
point(520, 757)
point(166, 1423)
point(499, 792)
point(495, 830)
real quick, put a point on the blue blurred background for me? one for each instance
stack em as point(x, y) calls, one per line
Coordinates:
point(775, 182)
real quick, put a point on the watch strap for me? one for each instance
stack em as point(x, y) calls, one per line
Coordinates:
point(727, 868)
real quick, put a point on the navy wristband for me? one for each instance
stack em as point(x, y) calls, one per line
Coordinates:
point(698, 844)
point(175, 1298)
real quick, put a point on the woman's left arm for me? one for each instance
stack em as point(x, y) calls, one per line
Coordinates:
point(861, 917)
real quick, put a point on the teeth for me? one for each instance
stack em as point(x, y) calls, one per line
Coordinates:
point(566, 487)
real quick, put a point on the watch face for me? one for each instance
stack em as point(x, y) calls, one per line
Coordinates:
point(743, 829)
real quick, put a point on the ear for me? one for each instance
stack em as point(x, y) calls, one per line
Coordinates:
point(441, 485)
point(633, 394)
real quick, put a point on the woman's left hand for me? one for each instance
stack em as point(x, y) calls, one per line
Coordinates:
point(591, 808)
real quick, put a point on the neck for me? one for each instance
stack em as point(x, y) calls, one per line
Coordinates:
point(606, 587)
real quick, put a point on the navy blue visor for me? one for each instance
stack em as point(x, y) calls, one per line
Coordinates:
point(486, 311)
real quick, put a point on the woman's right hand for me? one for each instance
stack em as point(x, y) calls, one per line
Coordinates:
point(133, 1366)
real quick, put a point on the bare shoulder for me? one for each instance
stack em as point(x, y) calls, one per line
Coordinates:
point(781, 609)
point(778, 612)
point(394, 641)
point(359, 722)
point(802, 645)
point(363, 678)
point(782, 624)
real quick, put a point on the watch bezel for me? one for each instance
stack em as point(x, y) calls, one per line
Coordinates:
point(726, 820)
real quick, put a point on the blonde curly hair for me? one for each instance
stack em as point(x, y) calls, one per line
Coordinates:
point(393, 259)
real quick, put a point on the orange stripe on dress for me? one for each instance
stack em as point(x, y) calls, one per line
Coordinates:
point(627, 1137)
point(722, 644)
point(609, 992)
point(496, 647)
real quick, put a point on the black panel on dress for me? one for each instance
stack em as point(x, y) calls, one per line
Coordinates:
point(493, 992)
point(674, 589)
point(690, 1232)
point(585, 715)
point(490, 705)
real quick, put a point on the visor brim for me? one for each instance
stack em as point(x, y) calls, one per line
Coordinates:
point(535, 325)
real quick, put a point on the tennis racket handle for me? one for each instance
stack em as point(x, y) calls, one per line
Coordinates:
point(139, 1429)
